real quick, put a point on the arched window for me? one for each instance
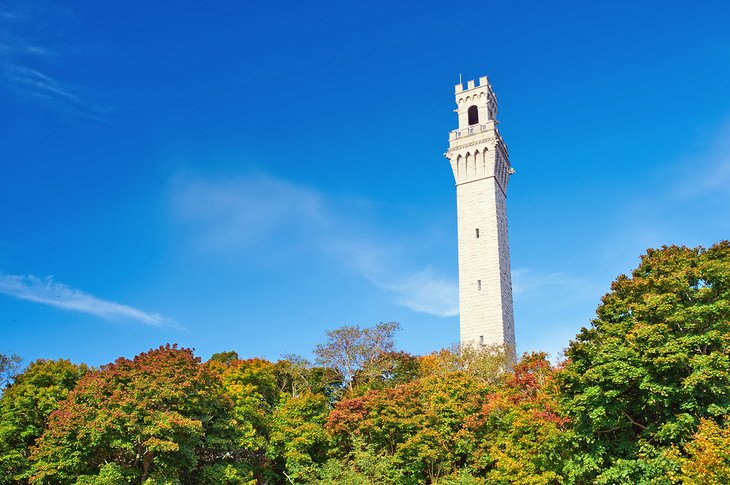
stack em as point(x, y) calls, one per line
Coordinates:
point(473, 115)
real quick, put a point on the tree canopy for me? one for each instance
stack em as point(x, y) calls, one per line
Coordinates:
point(654, 362)
point(351, 349)
point(643, 397)
point(24, 410)
point(161, 415)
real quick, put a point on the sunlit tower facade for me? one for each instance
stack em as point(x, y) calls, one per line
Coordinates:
point(481, 167)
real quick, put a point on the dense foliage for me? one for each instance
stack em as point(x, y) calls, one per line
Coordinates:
point(25, 408)
point(655, 361)
point(162, 416)
point(643, 397)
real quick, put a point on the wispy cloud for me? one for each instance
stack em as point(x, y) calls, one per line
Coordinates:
point(25, 68)
point(709, 170)
point(38, 84)
point(526, 282)
point(425, 292)
point(228, 213)
point(47, 291)
point(234, 213)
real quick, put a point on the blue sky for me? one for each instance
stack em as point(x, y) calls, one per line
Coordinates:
point(247, 175)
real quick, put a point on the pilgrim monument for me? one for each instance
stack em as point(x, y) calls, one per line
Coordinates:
point(481, 168)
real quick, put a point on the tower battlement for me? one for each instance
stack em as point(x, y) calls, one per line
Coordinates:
point(483, 82)
point(476, 104)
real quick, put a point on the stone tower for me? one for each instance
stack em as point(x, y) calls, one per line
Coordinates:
point(481, 168)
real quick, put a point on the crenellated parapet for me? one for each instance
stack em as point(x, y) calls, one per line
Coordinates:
point(479, 98)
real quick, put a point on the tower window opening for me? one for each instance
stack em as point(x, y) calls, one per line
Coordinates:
point(473, 115)
point(479, 285)
point(477, 233)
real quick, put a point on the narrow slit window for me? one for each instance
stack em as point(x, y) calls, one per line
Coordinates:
point(479, 285)
point(481, 340)
point(477, 233)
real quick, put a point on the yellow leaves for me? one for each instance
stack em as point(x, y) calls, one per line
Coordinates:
point(157, 445)
point(707, 460)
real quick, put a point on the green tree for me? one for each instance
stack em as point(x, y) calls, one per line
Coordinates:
point(225, 358)
point(388, 369)
point(9, 366)
point(421, 425)
point(363, 466)
point(24, 410)
point(655, 361)
point(296, 375)
point(298, 439)
point(351, 349)
point(252, 387)
point(522, 436)
point(161, 416)
point(487, 363)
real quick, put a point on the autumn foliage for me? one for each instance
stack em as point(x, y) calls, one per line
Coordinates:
point(156, 415)
point(642, 397)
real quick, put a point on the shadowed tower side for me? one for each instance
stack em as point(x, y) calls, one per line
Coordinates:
point(481, 167)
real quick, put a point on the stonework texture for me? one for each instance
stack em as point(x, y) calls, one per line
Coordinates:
point(480, 163)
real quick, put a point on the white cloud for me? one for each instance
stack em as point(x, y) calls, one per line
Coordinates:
point(526, 281)
point(34, 83)
point(422, 291)
point(233, 213)
point(20, 67)
point(426, 292)
point(228, 213)
point(49, 292)
point(710, 169)
point(40, 84)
